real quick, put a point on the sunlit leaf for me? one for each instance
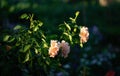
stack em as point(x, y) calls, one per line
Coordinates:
point(75, 29)
point(40, 23)
point(6, 38)
point(27, 47)
point(11, 40)
point(36, 50)
point(77, 13)
point(29, 32)
point(67, 25)
point(27, 57)
point(66, 34)
point(17, 27)
point(73, 20)
point(24, 16)
point(70, 37)
point(42, 34)
point(36, 28)
point(81, 45)
point(45, 45)
point(43, 40)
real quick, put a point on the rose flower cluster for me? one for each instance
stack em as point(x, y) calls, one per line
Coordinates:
point(56, 46)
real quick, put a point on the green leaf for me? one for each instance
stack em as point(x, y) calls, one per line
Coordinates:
point(43, 40)
point(47, 62)
point(77, 13)
point(6, 38)
point(73, 20)
point(29, 32)
point(81, 45)
point(67, 25)
point(36, 42)
point(66, 34)
point(62, 27)
point(17, 44)
point(75, 29)
point(24, 16)
point(27, 57)
point(36, 50)
point(43, 35)
point(11, 40)
point(40, 23)
point(70, 37)
point(36, 28)
point(17, 27)
point(45, 45)
point(27, 47)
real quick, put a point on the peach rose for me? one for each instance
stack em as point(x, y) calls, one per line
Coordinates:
point(54, 48)
point(84, 34)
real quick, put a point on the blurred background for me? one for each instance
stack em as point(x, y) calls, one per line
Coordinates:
point(99, 56)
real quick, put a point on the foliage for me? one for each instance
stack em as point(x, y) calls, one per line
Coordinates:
point(31, 44)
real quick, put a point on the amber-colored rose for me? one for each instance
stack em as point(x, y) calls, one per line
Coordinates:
point(84, 34)
point(54, 48)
